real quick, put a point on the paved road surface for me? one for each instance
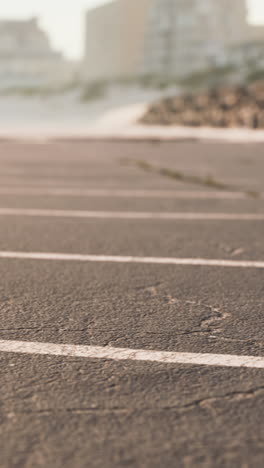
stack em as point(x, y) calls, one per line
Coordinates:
point(163, 364)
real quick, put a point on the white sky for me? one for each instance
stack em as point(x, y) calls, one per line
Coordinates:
point(63, 19)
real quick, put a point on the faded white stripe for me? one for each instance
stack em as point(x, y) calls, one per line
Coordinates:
point(130, 259)
point(131, 215)
point(120, 354)
point(120, 193)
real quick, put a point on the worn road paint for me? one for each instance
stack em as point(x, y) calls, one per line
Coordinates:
point(120, 193)
point(131, 215)
point(130, 259)
point(120, 354)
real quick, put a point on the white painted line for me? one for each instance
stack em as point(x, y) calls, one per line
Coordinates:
point(130, 259)
point(120, 193)
point(13, 139)
point(131, 215)
point(120, 354)
point(119, 124)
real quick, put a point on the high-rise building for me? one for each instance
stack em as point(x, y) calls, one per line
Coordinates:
point(187, 35)
point(128, 38)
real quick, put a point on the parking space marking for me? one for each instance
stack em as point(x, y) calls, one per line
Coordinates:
point(53, 256)
point(125, 193)
point(131, 215)
point(120, 354)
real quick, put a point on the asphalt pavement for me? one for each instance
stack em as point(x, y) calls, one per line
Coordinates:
point(156, 365)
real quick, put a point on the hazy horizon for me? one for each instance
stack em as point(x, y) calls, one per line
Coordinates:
point(67, 35)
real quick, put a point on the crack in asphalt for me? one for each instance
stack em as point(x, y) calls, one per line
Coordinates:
point(203, 403)
point(171, 173)
point(210, 324)
point(144, 165)
point(231, 396)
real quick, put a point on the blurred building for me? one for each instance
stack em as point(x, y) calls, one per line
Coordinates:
point(248, 55)
point(27, 58)
point(188, 35)
point(115, 36)
point(127, 38)
point(256, 32)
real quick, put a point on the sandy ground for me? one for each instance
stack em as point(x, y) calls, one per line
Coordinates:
point(114, 115)
point(69, 113)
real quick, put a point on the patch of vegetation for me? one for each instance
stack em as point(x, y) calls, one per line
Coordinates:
point(204, 181)
point(28, 91)
point(39, 91)
point(148, 81)
point(255, 75)
point(164, 171)
point(208, 77)
point(157, 82)
point(253, 194)
point(208, 181)
point(94, 91)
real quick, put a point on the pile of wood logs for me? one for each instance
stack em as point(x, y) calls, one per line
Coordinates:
point(232, 106)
